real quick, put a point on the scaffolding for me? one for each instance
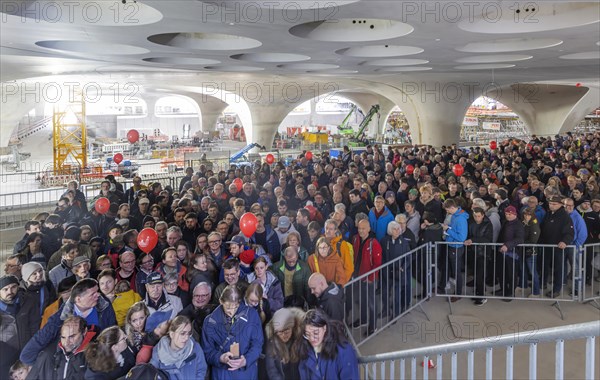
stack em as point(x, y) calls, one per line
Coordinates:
point(69, 136)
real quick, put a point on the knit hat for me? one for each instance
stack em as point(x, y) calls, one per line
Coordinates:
point(282, 319)
point(148, 218)
point(413, 192)
point(501, 193)
point(73, 233)
point(123, 222)
point(28, 269)
point(510, 210)
point(144, 200)
point(8, 280)
point(156, 319)
point(389, 194)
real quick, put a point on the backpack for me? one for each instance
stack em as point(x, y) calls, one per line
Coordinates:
point(146, 371)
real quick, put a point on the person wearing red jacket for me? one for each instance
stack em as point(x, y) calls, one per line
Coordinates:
point(366, 258)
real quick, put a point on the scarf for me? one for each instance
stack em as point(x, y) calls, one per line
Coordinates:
point(168, 356)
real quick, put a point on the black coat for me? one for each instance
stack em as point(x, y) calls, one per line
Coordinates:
point(332, 302)
point(557, 227)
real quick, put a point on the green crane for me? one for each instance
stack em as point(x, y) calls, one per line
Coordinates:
point(344, 128)
point(357, 139)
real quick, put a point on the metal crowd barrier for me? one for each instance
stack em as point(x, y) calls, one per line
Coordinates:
point(393, 365)
point(380, 297)
point(591, 266)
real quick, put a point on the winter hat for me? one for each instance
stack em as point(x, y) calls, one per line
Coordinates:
point(413, 192)
point(73, 233)
point(156, 319)
point(501, 193)
point(510, 210)
point(283, 319)
point(147, 219)
point(123, 222)
point(28, 269)
point(8, 280)
point(66, 284)
point(389, 194)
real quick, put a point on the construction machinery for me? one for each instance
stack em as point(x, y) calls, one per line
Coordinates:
point(345, 129)
point(239, 155)
point(69, 136)
point(358, 139)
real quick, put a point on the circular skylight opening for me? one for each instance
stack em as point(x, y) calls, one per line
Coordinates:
point(92, 47)
point(510, 44)
point(351, 30)
point(494, 58)
point(379, 51)
point(270, 57)
point(396, 62)
point(485, 66)
point(204, 41)
point(184, 61)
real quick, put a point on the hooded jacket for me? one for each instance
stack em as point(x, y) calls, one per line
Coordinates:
point(345, 251)
point(331, 301)
point(344, 366)
point(54, 364)
point(272, 289)
point(458, 229)
point(218, 335)
point(41, 339)
point(331, 267)
point(379, 224)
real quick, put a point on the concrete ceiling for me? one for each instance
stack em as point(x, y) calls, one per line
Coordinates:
point(303, 47)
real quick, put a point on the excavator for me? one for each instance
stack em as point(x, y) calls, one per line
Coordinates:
point(358, 139)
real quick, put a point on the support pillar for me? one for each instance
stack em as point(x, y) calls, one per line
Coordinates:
point(265, 121)
point(549, 109)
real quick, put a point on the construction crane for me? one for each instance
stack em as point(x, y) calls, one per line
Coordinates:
point(69, 136)
point(357, 139)
point(344, 128)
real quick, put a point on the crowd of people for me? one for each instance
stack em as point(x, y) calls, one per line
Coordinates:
point(80, 300)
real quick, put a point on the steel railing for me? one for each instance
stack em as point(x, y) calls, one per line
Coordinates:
point(393, 365)
point(590, 264)
point(380, 297)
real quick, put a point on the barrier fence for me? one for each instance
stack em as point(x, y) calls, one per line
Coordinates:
point(487, 351)
point(383, 295)
point(529, 272)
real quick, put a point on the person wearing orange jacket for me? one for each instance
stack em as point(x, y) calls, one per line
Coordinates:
point(340, 247)
point(368, 257)
point(326, 262)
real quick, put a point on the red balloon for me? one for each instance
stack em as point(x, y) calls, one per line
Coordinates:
point(529, 146)
point(458, 170)
point(493, 145)
point(248, 223)
point(133, 136)
point(410, 169)
point(147, 240)
point(238, 184)
point(102, 205)
point(270, 158)
point(118, 158)
point(308, 155)
point(578, 84)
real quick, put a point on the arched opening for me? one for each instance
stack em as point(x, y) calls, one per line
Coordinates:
point(487, 119)
point(396, 129)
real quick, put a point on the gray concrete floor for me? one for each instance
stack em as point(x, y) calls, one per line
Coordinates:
point(493, 319)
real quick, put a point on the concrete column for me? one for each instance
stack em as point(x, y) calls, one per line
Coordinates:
point(210, 108)
point(434, 110)
point(265, 121)
point(549, 109)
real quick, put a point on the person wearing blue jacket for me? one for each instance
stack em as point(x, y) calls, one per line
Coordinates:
point(267, 238)
point(379, 217)
point(178, 354)
point(325, 352)
point(232, 338)
point(580, 236)
point(86, 302)
point(455, 233)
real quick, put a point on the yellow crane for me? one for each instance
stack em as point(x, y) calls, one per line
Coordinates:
point(69, 136)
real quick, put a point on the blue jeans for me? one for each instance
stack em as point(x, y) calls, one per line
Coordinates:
point(530, 260)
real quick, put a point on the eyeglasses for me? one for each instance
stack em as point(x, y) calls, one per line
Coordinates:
point(214, 242)
point(148, 262)
point(284, 331)
point(201, 295)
